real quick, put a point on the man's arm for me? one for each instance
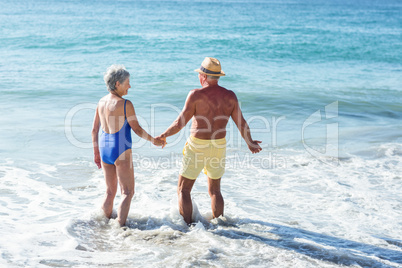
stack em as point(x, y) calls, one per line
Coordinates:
point(95, 131)
point(181, 121)
point(243, 127)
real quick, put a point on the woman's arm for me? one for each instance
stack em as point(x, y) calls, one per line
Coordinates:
point(95, 131)
point(135, 126)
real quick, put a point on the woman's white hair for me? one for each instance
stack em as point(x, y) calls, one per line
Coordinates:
point(113, 74)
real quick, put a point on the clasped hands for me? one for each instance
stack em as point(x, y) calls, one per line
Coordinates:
point(159, 141)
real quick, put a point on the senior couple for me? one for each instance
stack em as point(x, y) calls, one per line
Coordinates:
point(210, 106)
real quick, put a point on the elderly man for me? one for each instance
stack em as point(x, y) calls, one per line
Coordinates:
point(210, 107)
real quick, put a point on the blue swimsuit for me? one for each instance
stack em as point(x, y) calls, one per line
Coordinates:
point(111, 146)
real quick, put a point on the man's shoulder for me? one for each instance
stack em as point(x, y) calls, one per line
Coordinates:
point(218, 93)
point(231, 92)
point(196, 92)
point(216, 89)
point(227, 93)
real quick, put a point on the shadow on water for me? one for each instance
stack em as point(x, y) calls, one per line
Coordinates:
point(315, 245)
point(99, 233)
point(391, 241)
point(95, 235)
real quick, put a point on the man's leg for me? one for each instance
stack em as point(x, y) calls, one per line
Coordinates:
point(214, 190)
point(183, 191)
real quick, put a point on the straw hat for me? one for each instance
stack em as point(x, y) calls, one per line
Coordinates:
point(210, 66)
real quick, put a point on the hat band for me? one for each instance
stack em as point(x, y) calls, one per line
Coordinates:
point(208, 71)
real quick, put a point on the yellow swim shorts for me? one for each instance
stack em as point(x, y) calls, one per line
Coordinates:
point(201, 154)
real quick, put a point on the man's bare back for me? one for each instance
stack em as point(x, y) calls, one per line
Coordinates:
point(213, 107)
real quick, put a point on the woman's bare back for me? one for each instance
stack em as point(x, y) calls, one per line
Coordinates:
point(111, 113)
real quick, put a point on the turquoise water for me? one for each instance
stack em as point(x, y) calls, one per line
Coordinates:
point(335, 173)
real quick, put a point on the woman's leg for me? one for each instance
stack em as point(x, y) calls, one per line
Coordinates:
point(109, 172)
point(125, 176)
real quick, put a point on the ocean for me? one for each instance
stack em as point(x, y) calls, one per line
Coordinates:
point(319, 82)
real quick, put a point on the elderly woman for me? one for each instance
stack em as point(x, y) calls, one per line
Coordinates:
point(112, 150)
